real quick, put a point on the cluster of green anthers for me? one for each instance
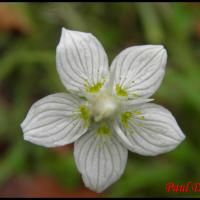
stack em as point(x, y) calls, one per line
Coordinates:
point(125, 116)
point(95, 88)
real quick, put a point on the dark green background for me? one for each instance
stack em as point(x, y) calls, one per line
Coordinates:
point(28, 73)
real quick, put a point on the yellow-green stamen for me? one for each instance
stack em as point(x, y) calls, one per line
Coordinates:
point(103, 129)
point(85, 114)
point(93, 89)
point(120, 91)
point(125, 117)
point(137, 112)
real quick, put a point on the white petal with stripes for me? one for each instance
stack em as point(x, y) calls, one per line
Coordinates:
point(139, 70)
point(152, 131)
point(54, 121)
point(81, 61)
point(100, 159)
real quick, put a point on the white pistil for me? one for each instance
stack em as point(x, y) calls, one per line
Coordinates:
point(103, 106)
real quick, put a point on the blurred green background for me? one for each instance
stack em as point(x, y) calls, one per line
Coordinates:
point(29, 34)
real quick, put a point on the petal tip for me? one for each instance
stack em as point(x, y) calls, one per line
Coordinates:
point(182, 137)
point(64, 30)
point(161, 48)
point(27, 137)
point(22, 125)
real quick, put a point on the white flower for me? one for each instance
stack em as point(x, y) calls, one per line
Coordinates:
point(106, 112)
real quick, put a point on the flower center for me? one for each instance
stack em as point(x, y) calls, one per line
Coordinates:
point(103, 106)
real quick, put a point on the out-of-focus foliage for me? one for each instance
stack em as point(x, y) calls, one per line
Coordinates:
point(29, 34)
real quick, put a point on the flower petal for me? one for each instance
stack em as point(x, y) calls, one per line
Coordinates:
point(138, 71)
point(149, 130)
point(82, 63)
point(55, 120)
point(101, 159)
